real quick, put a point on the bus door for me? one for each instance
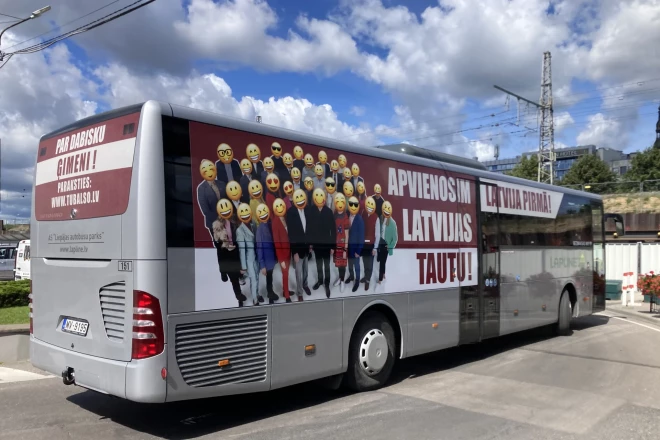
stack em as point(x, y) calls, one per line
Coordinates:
point(489, 275)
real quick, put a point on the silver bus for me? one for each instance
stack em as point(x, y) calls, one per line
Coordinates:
point(180, 254)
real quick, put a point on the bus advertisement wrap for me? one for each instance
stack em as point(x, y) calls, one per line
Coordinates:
point(272, 213)
point(86, 173)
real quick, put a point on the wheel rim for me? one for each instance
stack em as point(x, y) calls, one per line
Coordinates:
point(373, 352)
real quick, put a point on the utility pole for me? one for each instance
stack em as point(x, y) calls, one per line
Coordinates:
point(546, 154)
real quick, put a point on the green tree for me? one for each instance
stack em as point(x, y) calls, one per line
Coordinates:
point(645, 166)
point(527, 168)
point(590, 169)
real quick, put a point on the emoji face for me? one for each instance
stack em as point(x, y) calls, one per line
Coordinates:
point(255, 189)
point(269, 165)
point(340, 203)
point(318, 170)
point(207, 170)
point(279, 207)
point(347, 174)
point(295, 174)
point(348, 188)
point(387, 210)
point(288, 160)
point(288, 188)
point(244, 213)
point(370, 205)
point(334, 166)
point(263, 213)
point(273, 182)
point(253, 153)
point(323, 157)
point(300, 199)
point(355, 169)
point(309, 183)
point(309, 160)
point(276, 149)
point(330, 185)
point(342, 161)
point(298, 152)
point(246, 166)
point(319, 197)
point(225, 153)
point(234, 191)
point(360, 188)
point(225, 209)
point(377, 189)
point(353, 205)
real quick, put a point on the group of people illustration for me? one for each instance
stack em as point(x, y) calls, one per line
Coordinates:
point(280, 210)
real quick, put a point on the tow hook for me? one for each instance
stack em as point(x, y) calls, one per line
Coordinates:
point(68, 376)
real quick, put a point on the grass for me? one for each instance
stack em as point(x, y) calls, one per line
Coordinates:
point(14, 315)
point(632, 203)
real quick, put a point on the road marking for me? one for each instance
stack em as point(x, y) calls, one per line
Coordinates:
point(9, 375)
point(655, 329)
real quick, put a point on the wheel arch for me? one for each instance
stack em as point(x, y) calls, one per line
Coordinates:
point(569, 287)
point(390, 313)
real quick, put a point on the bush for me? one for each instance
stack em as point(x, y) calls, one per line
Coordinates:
point(14, 293)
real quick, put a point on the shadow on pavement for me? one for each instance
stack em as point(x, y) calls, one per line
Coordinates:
point(195, 418)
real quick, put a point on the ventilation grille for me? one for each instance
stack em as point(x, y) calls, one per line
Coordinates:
point(113, 309)
point(201, 346)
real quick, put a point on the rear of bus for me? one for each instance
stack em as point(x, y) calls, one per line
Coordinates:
point(98, 254)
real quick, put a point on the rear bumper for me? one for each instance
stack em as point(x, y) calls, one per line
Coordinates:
point(139, 381)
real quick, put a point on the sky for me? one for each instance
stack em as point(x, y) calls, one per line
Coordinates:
point(369, 72)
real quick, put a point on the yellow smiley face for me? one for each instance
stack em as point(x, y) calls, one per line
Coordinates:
point(288, 188)
point(234, 191)
point(340, 203)
point(276, 149)
point(253, 153)
point(309, 160)
point(263, 213)
point(319, 197)
point(348, 189)
point(279, 207)
point(309, 183)
point(377, 189)
point(318, 170)
point(207, 170)
point(342, 161)
point(387, 210)
point(244, 212)
point(288, 160)
point(295, 175)
point(269, 164)
point(360, 188)
point(246, 166)
point(323, 157)
point(225, 153)
point(353, 205)
point(300, 199)
point(370, 205)
point(355, 169)
point(334, 166)
point(255, 189)
point(347, 174)
point(298, 152)
point(224, 208)
point(273, 182)
point(330, 185)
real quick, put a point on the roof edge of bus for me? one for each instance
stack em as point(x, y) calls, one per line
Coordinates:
point(95, 119)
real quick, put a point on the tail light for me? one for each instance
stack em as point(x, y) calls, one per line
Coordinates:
point(30, 306)
point(148, 332)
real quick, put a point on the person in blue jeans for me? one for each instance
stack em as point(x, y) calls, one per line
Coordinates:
point(266, 250)
point(355, 242)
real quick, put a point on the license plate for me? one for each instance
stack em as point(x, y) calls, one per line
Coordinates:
point(74, 326)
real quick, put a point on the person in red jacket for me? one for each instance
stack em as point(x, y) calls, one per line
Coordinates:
point(281, 241)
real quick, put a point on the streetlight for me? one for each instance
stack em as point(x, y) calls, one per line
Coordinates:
point(39, 12)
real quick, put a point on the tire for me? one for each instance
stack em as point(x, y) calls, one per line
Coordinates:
point(563, 326)
point(372, 335)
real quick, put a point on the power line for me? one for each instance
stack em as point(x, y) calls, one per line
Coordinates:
point(10, 16)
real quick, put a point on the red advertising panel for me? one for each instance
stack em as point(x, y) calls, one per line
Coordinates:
point(405, 227)
point(86, 173)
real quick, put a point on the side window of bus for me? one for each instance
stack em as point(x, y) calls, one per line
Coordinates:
point(574, 221)
point(26, 256)
point(178, 183)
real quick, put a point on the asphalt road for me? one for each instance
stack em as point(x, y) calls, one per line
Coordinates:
point(602, 382)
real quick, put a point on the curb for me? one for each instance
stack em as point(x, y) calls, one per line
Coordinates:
point(634, 314)
point(19, 329)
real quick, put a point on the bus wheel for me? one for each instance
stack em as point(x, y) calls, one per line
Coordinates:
point(563, 326)
point(371, 353)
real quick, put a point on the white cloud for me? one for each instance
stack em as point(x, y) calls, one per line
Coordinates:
point(562, 120)
point(357, 110)
point(604, 131)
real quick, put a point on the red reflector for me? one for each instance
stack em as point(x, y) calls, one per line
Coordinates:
point(163, 373)
point(148, 332)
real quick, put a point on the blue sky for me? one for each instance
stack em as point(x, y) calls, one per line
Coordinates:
point(368, 71)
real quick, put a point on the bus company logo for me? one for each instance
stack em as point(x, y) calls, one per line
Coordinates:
point(74, 212)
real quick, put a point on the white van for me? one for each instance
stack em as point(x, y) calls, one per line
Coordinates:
point(22, 261)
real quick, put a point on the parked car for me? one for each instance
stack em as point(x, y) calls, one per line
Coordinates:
point(7, 261)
